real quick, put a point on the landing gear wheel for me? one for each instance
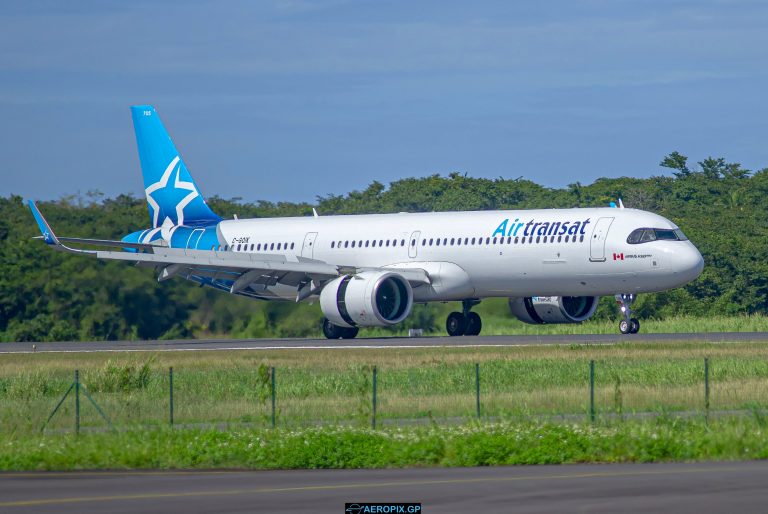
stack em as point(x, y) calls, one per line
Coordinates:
point(349, 333)
point(332, 331)
point(474, 324)
point(628, 325)
point(625, 327)
point(456, 324)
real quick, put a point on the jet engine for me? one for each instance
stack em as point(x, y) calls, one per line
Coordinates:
point(537, 310)
point(368, 299)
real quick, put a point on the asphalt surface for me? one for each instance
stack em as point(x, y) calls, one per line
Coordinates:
point(679, 488)
point(392, 342)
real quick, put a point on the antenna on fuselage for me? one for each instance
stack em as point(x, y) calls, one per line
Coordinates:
point(314, 213)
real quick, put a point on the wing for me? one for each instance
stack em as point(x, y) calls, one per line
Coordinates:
point(237, 272)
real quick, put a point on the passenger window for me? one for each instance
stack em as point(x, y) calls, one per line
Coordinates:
point(353, 244)
point(430, 242)
point(487, 240)
point(367, 243)
point(473, 240)
point(272, 246)
point(517, 240)
point(402, 242)
point(538, 239)
point(387, 242)
point(413, 242)
point(559, 239)
point(278, 246)
point(581, 239)
point(333, 244)
point(373, 243)
point(381, 242)
point(424, 242)
point(458, 241)
point(453, 241)
point(346, 244)
point(292, 244)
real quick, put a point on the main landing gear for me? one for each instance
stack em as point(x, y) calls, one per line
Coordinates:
point(332, 331)
point(464, 323)
point(628, 325)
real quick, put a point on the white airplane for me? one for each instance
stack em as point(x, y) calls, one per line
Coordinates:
point(369, 270)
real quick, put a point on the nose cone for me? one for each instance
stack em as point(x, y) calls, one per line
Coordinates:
point(688, 263)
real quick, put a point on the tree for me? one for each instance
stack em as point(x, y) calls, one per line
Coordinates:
point(676, 161)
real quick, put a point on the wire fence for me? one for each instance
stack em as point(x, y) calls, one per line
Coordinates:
point(270, 397)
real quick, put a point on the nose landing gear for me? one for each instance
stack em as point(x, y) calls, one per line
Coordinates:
point(628, 325)
point(464, 323)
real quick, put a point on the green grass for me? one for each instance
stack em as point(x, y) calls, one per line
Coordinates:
point(497, 321)
point(658, 440)
point(334, 386)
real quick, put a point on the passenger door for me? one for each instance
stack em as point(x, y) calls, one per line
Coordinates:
point(413, 244)
point(597, 242)
point(194, 238)
point(308, 249)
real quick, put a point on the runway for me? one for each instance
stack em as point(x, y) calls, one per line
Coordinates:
point(695, 488)
point(362, 343)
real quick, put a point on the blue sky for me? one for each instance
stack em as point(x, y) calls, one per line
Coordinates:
point(287, 100)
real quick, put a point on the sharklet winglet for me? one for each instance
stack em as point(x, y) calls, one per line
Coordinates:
point(45, 229)
point(48, 235)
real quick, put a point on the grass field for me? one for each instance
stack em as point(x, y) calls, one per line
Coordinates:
point(334, 386)
point(498, 321)
point(477, 444)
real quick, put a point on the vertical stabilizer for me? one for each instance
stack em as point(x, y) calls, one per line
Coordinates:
point(172, 194)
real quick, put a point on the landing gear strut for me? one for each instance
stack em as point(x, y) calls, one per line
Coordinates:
point(628, 325)
point(464, 323)
point(332, 331)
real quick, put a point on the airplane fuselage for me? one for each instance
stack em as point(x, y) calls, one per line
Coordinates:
point(573, 252)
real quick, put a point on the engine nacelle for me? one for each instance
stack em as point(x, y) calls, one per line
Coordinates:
point(368, 299)
point(537, 310)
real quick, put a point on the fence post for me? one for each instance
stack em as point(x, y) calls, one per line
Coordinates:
point(77, 401)
point(477, 389)
point(706, 388)
point(170, 394)
point(373, 417)
point(592, 391)
point(273, 391)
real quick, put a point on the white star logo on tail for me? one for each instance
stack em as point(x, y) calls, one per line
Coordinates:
point(175, 185)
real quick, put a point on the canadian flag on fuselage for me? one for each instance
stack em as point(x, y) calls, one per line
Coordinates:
point(618, 256)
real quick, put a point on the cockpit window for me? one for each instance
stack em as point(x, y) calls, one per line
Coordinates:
point(666, 235)
point(645, 235)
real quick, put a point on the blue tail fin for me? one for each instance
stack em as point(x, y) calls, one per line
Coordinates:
point(172, 195)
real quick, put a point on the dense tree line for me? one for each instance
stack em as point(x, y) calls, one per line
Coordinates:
point(47, 295)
